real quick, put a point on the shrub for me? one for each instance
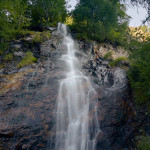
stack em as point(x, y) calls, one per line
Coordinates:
point(46, 34)
point(144, 143)
point(108, 55)
point(100, 20)
point(2, 66)
point(118, 61)
point(3, 47)
point(39, 37)
point(82, 36)
point(8, 57)
point(47, 12)
point(27, 60)
point(139, 74)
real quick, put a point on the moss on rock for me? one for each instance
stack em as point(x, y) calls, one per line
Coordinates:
point(27, 60)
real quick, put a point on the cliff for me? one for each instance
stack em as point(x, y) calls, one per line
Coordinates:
point(28, 94)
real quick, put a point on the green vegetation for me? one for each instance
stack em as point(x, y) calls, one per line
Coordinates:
point(27, 60)
point(141, 33)
point(118, 61)
point(143, 143)
point(12, 20)
point(2, 66)
point(18, 15)
point(100, 20)
point(39, 37)
point(3, 47)
point(8, 57)
point(47, 12)
point(139, 73)
point(108, 55)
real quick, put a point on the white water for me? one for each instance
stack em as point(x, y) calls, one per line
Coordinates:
point(33, 74)
point(74, 99)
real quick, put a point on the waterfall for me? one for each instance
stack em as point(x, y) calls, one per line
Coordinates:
point(74, 130)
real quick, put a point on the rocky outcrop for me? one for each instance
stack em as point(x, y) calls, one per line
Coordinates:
point(116, 51)
point(29, 95)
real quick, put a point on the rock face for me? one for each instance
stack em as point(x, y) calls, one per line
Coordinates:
point(28, 99)
point(116, 52)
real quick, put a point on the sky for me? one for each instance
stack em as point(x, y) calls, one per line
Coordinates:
point(137, 13)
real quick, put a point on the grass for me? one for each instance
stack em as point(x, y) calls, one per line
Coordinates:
point(27, 32)
point(143, 143)
point(108, 55)
point(2, 66)
point(27, 60)
point(3, 46)
point(8, 57)
point(38, 37)
point(117, 61)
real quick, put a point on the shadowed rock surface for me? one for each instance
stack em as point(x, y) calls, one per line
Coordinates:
point(28, 98)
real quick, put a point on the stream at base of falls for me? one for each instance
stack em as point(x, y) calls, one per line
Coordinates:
point(73, 103)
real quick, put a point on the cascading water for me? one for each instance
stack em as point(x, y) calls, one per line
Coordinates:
point(73, 128)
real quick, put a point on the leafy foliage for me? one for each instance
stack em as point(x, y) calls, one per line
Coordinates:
point(39, 37)
point(108, 55)
point(118, 61)
point(47, 12)
point(140, 33)
point(17, 15)
point(27, 60)
point(12, 19)
point(8, 57)
point(139, 73)
point(144, 143)
point(100, 20)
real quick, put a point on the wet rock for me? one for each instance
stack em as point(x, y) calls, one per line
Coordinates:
point(20, 53)
point(52, 28)
point(10, 70)
point(105, 63)
point(17, 45)
point(1, 71)
point(24, 69)
point(28, 106)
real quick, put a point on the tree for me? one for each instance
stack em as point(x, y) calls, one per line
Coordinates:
point(13, 15)
point(16, 15)
point(47, 12)
point(96, 19)
point(139, 73)
point(13, 18)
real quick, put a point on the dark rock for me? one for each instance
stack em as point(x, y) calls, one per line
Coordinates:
point(1, 71)
point(7, 134)
point(28, 112)
point(105, 63)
